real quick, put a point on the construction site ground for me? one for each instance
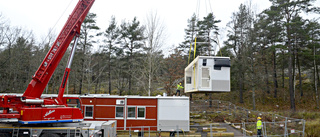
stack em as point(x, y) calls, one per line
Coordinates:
point(218, 129)
point(196, 130)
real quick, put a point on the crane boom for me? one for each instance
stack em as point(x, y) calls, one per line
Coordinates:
point(49, 110)
point(58, 49)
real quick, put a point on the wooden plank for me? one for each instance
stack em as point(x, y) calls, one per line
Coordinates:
point(221, 134)
point(215, 129)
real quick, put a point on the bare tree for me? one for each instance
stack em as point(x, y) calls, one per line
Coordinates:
point(156, 35)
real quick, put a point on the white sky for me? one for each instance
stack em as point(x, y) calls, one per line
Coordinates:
point(41, 15)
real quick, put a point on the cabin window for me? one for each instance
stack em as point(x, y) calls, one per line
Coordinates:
point(204, 62)
point(119, 112)
point(131, 112)
point(188, 80)
point(88, 112)
point(141, 112)
point(73, 103)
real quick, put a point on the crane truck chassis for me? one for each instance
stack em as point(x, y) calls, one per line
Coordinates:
point(11, 127)
point(80, 129)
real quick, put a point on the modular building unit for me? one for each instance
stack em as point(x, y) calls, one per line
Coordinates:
point(208, 74)
point(173, 113)
point(164, 113)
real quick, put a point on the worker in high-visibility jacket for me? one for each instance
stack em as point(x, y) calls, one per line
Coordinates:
point(259, 126)
point(179, 87)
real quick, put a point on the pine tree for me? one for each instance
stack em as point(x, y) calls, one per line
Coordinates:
point(132, 39)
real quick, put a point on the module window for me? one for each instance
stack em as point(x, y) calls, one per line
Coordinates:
point(88, 112)
point(131, 112)
point(142, 112)
point(119, 112)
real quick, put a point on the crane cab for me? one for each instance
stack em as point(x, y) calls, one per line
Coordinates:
point(208, 74)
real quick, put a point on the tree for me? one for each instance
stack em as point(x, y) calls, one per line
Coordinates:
point(206, 33)
point(312, 53)
point(190, 34)
point(111, 35)
point(131, 39)
point(238, 41)
point(156, 36)
point(86, 41)
point(268, 33)
point(119, 72)
point(173, 70)
point(289, 9)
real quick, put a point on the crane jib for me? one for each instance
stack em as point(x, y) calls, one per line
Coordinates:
point(49, 110)
point(55, 54)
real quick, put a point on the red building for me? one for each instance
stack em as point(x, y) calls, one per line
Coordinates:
point(157, 112)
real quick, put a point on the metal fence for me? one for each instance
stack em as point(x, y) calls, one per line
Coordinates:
point(146, 131)
point(244, 120)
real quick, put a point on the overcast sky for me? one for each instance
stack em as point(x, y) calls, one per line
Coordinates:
point(41, 15)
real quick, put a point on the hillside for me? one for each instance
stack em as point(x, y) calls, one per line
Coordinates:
point(306, 106)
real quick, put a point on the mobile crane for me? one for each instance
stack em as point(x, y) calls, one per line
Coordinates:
point(29, 108)
point(31, 115)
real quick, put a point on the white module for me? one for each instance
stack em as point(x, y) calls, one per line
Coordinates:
point(173, 113)
point(208, 74)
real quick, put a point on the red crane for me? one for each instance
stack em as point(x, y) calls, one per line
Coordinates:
point(30, 108)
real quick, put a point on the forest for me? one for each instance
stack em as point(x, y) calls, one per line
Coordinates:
point(274, 55)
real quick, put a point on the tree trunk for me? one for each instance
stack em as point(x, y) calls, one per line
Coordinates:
point(275, 81)
point(241, 78)
point(292, 99)
point(300, 79)
point(317, 73)
point(267, 78)
point(253, 99)
point(81, 78)
point(82, 69)
point(290, 67)
point(97, 85)
point(315, 77)
point(109, 73)
point(149, 73)
point(241, 87)
point(129, 77)
point(74, 88)
point(290, 54)
point(282, 69)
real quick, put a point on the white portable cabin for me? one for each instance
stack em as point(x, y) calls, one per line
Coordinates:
point(208, 74)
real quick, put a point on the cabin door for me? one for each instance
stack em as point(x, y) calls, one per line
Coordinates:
point(205, 78)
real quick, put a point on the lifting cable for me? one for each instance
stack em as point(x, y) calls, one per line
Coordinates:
point(219, 45)
point(194, 67)
point(57, 22)
point(197, 17)
point(195, 39)
point(195, 44)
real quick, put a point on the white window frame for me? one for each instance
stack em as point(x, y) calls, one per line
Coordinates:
point(144, 107)
point(135, 110)
point(116, 112)
point(85, 111)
